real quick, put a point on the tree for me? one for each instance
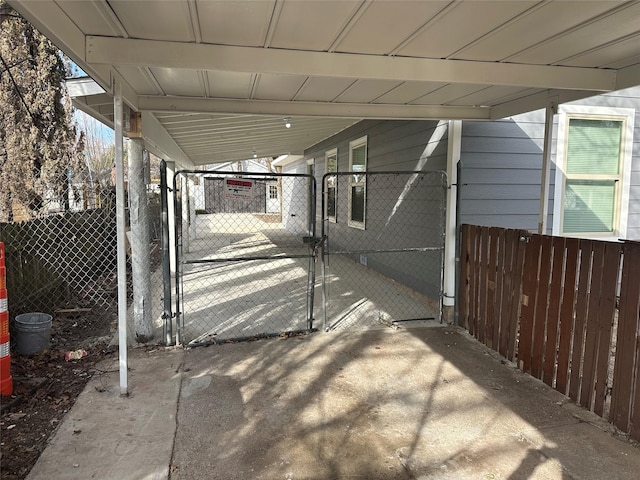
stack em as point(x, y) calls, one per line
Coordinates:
point(40, 148)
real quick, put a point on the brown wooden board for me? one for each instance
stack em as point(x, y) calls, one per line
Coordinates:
point(483, 291)
point(627, 341)
point(553, 314)
point(516, 305)
point(587, 388)
point(567, 314)
point(529, 289)
point(634, 431)
point(504, 281)
point(580, 318)
point(492, 324)
point(463, 278)
point(473, 279)
point(497, 235)
point(605, 319)
point(542, 303)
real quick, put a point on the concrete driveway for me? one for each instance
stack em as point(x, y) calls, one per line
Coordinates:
point(416, 403)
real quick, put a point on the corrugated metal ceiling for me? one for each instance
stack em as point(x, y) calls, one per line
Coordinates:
point(220, 76)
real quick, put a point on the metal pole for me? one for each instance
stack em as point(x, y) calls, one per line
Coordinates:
point(550, 111)
point(456, 308)
point(324, 231)
point(166, 265)
point(177, 244)
point(122, 254)
point(311, 283)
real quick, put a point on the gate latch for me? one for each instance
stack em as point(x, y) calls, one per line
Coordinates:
point(318, 243)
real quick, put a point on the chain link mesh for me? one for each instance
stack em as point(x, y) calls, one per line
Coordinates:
point(383, 259)
point(245, 260)
point(64, 261)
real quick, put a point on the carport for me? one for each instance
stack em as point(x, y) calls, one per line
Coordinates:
point(201, 83)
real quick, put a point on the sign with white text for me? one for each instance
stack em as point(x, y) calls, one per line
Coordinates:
point(237, 188)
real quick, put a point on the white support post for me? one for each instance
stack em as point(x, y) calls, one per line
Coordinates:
point(550, 112)
point(140, 242)
point(171, 213)
point(121, 243)
point(453, 157)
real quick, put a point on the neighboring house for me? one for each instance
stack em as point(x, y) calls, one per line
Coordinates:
point(595, 169)
point(209, 194)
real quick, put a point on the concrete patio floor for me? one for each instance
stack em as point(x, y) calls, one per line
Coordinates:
point(411, 403)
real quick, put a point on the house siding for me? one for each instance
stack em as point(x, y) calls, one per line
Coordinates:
point(502, 167)
point(391, 146)
point(501, 171)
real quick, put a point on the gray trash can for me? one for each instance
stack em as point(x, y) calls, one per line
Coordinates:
point(32, 331)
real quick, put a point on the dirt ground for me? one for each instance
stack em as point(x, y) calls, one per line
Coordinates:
point(46, 385)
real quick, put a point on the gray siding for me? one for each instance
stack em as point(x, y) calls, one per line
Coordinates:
point(502, 164)
point(391, 146)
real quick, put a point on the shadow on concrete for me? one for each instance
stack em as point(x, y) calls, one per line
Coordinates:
point(411, 403)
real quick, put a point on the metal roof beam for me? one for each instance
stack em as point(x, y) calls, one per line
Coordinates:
point(310, 109)
point(167, 54)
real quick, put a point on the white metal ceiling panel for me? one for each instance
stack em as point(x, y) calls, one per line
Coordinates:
point(447, 94)
point(462, 25)
point(488, 96)
point(310, 25)
point(367, 91)
point(324, 89)
point(627, 49)
point(278, 87)
point(376, 32)
point(179, 82)
point(140, 80)
point(242, 23)
point(595, 34)
point(543, 21)
point(229, 84)
point(89, 16)
point(154, 21)
point(408, 92)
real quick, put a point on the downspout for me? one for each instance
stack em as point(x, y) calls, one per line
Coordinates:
point(543, 214)
point(456, 309)
point(120, 235)
point(451, 224)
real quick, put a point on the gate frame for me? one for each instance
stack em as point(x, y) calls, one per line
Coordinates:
point(325, 253)
point(313, 248)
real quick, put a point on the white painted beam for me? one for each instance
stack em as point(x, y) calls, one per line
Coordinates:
point(628, 77)
point(160, 143)
point(537, 101)
point(165, 54)
point(310, 109)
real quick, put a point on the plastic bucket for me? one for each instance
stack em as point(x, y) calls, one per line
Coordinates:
point(32, 332)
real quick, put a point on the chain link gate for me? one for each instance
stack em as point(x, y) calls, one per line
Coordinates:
point(245, 255)
point(383, 255)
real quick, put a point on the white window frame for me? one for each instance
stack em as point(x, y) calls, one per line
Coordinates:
point(331, 182)
point(273, 192)
point(621, 202)
point(358, 180)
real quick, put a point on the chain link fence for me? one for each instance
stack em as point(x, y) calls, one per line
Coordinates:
point(62, 258)
point(384, 250)
point(245, 256)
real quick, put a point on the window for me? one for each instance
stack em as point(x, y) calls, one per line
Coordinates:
point(273, 192)
point(593, 161)
point(331, 159)
point(358, 183)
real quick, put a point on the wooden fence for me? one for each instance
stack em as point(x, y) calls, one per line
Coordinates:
point(565, 310)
